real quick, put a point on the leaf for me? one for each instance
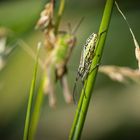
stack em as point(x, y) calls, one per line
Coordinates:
point(31, 94)
point(137, 50)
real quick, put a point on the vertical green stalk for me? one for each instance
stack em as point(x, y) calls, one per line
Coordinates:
point(59, 15)
point(83, 104)
point(29, 107)
point(36, 112)
point(39, 98)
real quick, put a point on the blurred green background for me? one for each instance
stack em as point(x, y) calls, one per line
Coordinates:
point(114, 112)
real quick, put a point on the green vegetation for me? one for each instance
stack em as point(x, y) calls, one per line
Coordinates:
point(113, 112)
point(30, 100)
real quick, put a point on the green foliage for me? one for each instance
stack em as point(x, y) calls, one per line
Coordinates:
point(31, 94)
point(36, 112)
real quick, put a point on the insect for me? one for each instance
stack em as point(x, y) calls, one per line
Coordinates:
point(56, 63)
point(87, 55)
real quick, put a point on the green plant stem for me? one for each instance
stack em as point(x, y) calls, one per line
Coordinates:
point(36, 111)
point(29, 107)
point(59, 15)
point(83, 104)
point(39, 98)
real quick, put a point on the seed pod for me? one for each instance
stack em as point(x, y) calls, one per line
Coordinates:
point(45, 17)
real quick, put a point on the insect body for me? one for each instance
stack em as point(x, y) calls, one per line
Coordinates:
point(87, 56)
point(86, 59)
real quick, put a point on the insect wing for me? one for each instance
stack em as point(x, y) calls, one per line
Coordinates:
point(76, 90)
point(81, 60)
point(78, 81)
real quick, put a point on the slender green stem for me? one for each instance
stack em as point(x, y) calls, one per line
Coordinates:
point(83, 104)
point(36, 111)
point(59, 15)
point(39, 98)
point(29, 107)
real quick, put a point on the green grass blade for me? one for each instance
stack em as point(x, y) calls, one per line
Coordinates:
point(83, 104)
point(32, 89)
point(59, 15)
point(36, 111)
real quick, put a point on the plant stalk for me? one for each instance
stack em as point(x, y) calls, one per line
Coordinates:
point(83, 104)
point(39, 98)
point(59, 15)
point(36, 112)
point(30, 100)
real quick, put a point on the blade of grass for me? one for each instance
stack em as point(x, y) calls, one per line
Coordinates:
point(39, 98)
point(59, 15)
point(32, 89)
point(83, 104)
point(36, 111)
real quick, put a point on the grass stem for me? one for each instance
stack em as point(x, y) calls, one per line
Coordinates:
point(31, 94)
point(59, 15)
point(83, 104)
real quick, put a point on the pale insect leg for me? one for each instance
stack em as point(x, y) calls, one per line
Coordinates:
point(66, 90)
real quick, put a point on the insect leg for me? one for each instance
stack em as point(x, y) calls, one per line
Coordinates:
point(94, 68)
point(73, 32)
point(65, 87)
point(99, 35)
point(102, 33)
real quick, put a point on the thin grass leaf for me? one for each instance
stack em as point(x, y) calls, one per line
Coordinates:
point(137, 48)
point(36, 111)
point(59, 15)
point(134, 38)
point(29, 107)
point(39, 98)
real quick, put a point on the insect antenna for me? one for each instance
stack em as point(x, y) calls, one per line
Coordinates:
point(69, 28)
point(73, 32)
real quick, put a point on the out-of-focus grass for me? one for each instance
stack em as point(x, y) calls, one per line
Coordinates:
point(113, 114)
point(108, 100)
point(15, 80)
point(20, 15)
point(16, 76)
